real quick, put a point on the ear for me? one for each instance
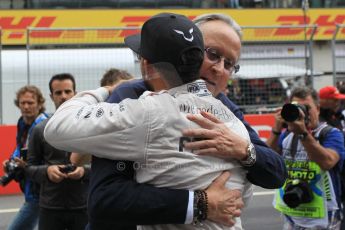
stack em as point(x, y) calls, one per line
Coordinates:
point(143, 64)
point(40, 107)
point(146, 69)
point(51, 96)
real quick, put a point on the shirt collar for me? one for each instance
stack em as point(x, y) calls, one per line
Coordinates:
point(197, 87)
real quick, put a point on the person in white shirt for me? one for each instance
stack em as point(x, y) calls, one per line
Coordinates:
point(149, 130)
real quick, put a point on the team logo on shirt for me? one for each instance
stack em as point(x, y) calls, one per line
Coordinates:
point(193, 88)
point(121, 107)
point(79, 112)
point(88, 114)
point(99, 112)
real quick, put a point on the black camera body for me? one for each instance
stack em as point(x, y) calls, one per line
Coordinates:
point(67, 168)
point(297, 192)
point(290, 112)
point(12, 170)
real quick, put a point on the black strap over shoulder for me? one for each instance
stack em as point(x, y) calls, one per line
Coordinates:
point(323, 133)
point(294, 144)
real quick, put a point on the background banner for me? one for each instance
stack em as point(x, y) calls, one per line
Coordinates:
point(15, 22)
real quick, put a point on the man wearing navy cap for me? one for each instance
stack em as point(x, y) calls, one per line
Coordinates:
point(149, 130)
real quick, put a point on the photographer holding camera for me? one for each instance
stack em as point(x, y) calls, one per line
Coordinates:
point(311, 196)
point(63, 186)
point(30, 101)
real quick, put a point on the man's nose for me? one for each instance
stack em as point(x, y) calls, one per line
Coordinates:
point(64, 96)
point(25, 105)
point(219, 66)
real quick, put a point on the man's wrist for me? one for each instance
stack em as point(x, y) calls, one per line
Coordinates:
point(251, 156)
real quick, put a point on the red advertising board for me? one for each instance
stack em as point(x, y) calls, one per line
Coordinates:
point(262, 124)
point(7, 145)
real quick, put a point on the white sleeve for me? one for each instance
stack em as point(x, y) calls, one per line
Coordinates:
point(86, 124)
point(190, 208)
point(247, 193)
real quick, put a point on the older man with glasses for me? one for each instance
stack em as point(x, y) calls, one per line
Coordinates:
point(118, 202)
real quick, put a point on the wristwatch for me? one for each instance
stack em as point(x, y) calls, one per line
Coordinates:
point(251, 156)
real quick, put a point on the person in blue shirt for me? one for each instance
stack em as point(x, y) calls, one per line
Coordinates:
point(30, 101)
point(116, 201)
point(314, 159)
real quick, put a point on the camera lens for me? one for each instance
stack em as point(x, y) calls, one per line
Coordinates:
point(293, 198)
point(296, 193)
point(290, 112)
point(4, 180)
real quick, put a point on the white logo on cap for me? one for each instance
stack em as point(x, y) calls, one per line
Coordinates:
point(187, 39)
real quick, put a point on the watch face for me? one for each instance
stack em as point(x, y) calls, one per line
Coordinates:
point(251, 156)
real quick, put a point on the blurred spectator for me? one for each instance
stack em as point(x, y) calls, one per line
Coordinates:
point(341, 88)
point(234, 3)
point(206, 3)
point(220, 3)
point(30, 101)
point(63, 187)
point(113, 76)
point(330, 111)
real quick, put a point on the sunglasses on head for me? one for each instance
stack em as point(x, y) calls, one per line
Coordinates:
point(214, 56)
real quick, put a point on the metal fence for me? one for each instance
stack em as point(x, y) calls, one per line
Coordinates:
point(269, 68)
point(338, 54)
point(86, 53)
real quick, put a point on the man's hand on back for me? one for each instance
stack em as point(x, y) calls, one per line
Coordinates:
point(223, 204)
point(216, 138)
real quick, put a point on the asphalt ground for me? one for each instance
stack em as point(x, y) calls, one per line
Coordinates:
point(257, 216)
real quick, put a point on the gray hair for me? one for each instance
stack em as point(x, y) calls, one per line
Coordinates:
point(201, 19)
point(304, 92)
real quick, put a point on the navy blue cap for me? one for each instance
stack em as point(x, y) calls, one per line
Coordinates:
point(165, 37)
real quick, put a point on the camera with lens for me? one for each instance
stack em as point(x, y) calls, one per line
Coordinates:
point(67, 168)
point(297, 192)
point(290, 112)
point(13, 171)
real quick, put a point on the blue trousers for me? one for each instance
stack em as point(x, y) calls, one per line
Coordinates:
point(26, 218)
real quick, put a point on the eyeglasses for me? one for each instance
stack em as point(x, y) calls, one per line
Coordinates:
point(213, 56)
